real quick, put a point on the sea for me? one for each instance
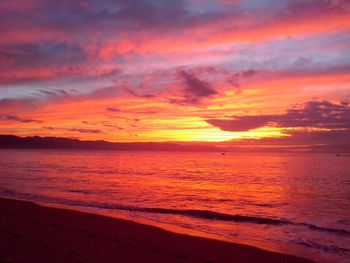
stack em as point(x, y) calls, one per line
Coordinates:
point(292, 203)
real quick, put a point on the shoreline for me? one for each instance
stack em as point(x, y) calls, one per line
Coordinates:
point(33, 233)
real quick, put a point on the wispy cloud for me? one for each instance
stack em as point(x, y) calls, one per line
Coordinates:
point(80, 130)
point(18, 119)
point(112, 109)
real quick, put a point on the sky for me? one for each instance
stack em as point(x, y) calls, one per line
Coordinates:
point(254, 71)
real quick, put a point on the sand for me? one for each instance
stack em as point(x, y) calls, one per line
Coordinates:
point(33, 233)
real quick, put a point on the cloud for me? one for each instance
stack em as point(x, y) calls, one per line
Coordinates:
point(238, 76)
point(43, 53)
point(305, 140)
point(31, 73)
point(19, 119)
point(194, 89)
point(317, 114)
point(194, 86)
point(39, 98)
point(79, 130)
point(95, 131)
point(112, 109)
point(133, 93)
point(43, 40)
point(241, 123)
point(10, 103)
point(334, 137)
point(27, 62)
point(113, 126)
point(100, 93)
point(312, 114)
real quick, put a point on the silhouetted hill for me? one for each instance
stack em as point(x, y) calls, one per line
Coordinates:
point(36, 142)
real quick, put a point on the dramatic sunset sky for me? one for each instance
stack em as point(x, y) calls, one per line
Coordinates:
point(173, 70)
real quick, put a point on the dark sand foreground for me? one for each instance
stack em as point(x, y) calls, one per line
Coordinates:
point(33, 233)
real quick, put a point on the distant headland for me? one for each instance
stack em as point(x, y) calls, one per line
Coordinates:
point(37, 142)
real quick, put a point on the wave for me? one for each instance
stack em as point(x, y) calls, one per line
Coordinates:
point(207, 214)
point(326, 229)
point(194, 213)
point(327, 248)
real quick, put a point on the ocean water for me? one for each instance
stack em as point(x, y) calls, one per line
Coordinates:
point(294, 203)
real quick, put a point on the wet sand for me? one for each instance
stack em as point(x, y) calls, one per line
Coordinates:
point(33, 233)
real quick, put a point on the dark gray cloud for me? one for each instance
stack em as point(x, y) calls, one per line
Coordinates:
point(107, 92)
point(194, 86)
point(334, 137)
point(133, 93)
point(113, 126)
point(42, 97)
point(313, 114)
point(80, 130)
point(241, 123)
point(8, 103)
point(58, 93)
point(105, 15)
point(194, 89)
point(112, 109)
point(43, 53)
point(18, 119)
point(303, 140)
point(237, 77)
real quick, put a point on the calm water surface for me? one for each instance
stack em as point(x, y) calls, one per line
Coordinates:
point(296, 203)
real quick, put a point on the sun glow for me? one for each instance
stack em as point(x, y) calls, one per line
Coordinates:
point(210, 134)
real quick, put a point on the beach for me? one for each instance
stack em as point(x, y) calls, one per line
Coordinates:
point(33, 233)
